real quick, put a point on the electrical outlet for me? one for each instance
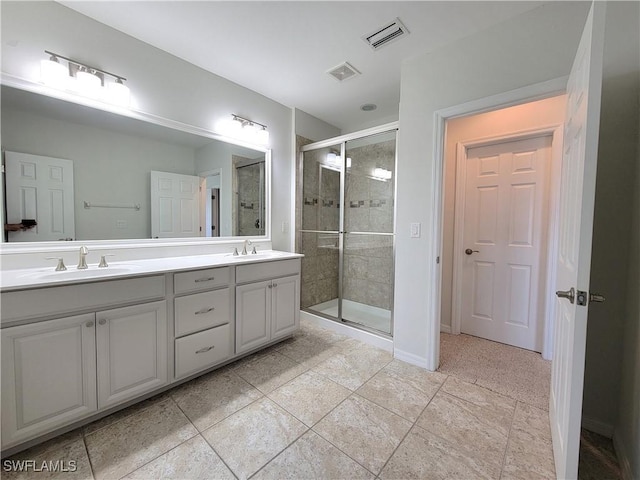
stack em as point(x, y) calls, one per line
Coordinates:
point(121, 224)
point(285, 227)
point(415, 230)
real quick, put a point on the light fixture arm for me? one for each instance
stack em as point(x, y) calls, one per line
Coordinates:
point(246, 121)
point(119, 78)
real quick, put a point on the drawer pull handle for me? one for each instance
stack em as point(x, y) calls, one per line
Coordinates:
point(207, 279)
point(205, 349)
point(205, 310)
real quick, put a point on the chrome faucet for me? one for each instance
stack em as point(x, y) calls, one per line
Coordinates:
point(82, 262)
point(244, 245)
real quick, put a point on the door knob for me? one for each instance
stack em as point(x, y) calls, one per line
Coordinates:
point(468, 251)
point(568, 294)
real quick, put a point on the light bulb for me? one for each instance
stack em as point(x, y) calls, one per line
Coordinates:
point(332, 158)
point(88, 84)
point(118, 93)
point(53, 73)
point(262, 136)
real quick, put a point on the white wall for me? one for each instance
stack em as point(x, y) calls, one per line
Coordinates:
point(542, 113)
point(108, 167)
point(534, 47)
point(312, 127)
point(160, 83)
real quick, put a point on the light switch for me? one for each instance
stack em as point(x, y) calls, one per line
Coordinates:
point(415, 230)
point(285, 227)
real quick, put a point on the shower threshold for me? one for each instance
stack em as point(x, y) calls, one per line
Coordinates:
point(366, 315)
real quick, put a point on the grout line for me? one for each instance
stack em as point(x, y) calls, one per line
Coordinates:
point(280, 452)
point(86, 449)
point(504, 457)
point(220, 457)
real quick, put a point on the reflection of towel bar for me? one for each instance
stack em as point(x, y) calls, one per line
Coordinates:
point(135, 206)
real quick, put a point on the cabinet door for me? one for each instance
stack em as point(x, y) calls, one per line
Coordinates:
point(131, 351)
point(285, 306)
point(253, 315)
point(48, 376)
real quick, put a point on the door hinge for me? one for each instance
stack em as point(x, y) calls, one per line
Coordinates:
point(200, 228)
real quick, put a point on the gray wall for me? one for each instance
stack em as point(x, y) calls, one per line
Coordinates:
point(160, 83)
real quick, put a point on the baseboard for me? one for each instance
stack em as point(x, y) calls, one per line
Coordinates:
point(366, 337)
point(411, 358)
point(623, 458)
point(445, 328)
point(596, 426)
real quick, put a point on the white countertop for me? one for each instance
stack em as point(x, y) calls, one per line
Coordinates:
point(21, 279)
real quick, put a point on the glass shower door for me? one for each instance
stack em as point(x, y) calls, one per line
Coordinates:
point(369, 205)
point(321, 222)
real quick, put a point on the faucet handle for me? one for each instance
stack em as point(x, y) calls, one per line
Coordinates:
point(103, 260)
point(254, 251)
point(61, 266)
point(235, 252)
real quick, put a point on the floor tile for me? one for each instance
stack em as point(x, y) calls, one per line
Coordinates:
point(353, 368)
point(308, 350)
point(312, 457)
point(597, 458)
point(269, 370)
point(125, 446)
point(402, 388)
point(69, 454)
point(309, 397)
point(500, 406)
point(476, 430)
point(250, 438)
point(213, 397)
point(528, 456)
point(193, 459)
point(363, 430)
point(423, 455)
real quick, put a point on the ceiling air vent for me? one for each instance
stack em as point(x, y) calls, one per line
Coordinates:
point(385, 35)
point(343, 72)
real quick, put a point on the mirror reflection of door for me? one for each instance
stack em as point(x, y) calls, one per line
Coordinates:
point(175, 205)
point(249, 208)
point(41, 189)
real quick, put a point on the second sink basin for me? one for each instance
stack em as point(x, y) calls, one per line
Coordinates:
point(75, 274)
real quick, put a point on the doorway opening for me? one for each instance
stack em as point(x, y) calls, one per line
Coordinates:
point(500, 200)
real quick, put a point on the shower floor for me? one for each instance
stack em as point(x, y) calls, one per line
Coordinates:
point(366, 315)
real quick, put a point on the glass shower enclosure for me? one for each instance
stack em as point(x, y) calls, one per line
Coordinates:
point(346, 229)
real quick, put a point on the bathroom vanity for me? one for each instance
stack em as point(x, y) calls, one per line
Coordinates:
point(79, 344)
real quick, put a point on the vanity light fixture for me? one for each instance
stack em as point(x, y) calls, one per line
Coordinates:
point(381, 174)
point(245, 129)
point(335, 160)
point(85, 80)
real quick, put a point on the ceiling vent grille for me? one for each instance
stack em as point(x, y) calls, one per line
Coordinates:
point(385, 35)
point(343, 72)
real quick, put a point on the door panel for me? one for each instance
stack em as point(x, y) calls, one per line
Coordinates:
point(573, 266)
point(504, 229)
point(40, 188)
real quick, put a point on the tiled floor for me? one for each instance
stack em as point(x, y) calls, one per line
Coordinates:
point(315, 406)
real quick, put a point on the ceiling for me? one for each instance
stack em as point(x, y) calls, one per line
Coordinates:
point(283, 49)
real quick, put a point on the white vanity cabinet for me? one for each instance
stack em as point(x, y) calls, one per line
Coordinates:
point(267, 302)
point(131, 345)
point(203, 319)
point(48, 376)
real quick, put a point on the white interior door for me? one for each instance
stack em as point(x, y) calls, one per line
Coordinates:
point(504, 241)
point(175, 205)
point(40, 188)
point(574, 253)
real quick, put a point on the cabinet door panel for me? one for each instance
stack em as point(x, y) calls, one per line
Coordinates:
point(132, 351)
point(253, 312)
point(285, 310)
point(48, 376)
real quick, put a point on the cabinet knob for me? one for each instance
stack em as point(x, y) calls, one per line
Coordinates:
point(275, 285)
point(90, 324)
point(102, 321)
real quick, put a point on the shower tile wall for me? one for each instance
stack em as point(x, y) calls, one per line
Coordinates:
point(320, 211)
point(248, 198)
point(368, 259)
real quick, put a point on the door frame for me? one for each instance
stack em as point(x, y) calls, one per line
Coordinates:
point(555, 131)
point(433, 287)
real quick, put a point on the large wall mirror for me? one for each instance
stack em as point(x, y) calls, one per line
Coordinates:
point(89, 174)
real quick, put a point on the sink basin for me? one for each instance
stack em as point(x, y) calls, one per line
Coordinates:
point(255, 256)
point(75, 274)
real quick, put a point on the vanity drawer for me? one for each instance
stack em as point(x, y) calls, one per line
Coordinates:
point(267, 270)
point(201, 310)
point(201, 350)
point(199, 280)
